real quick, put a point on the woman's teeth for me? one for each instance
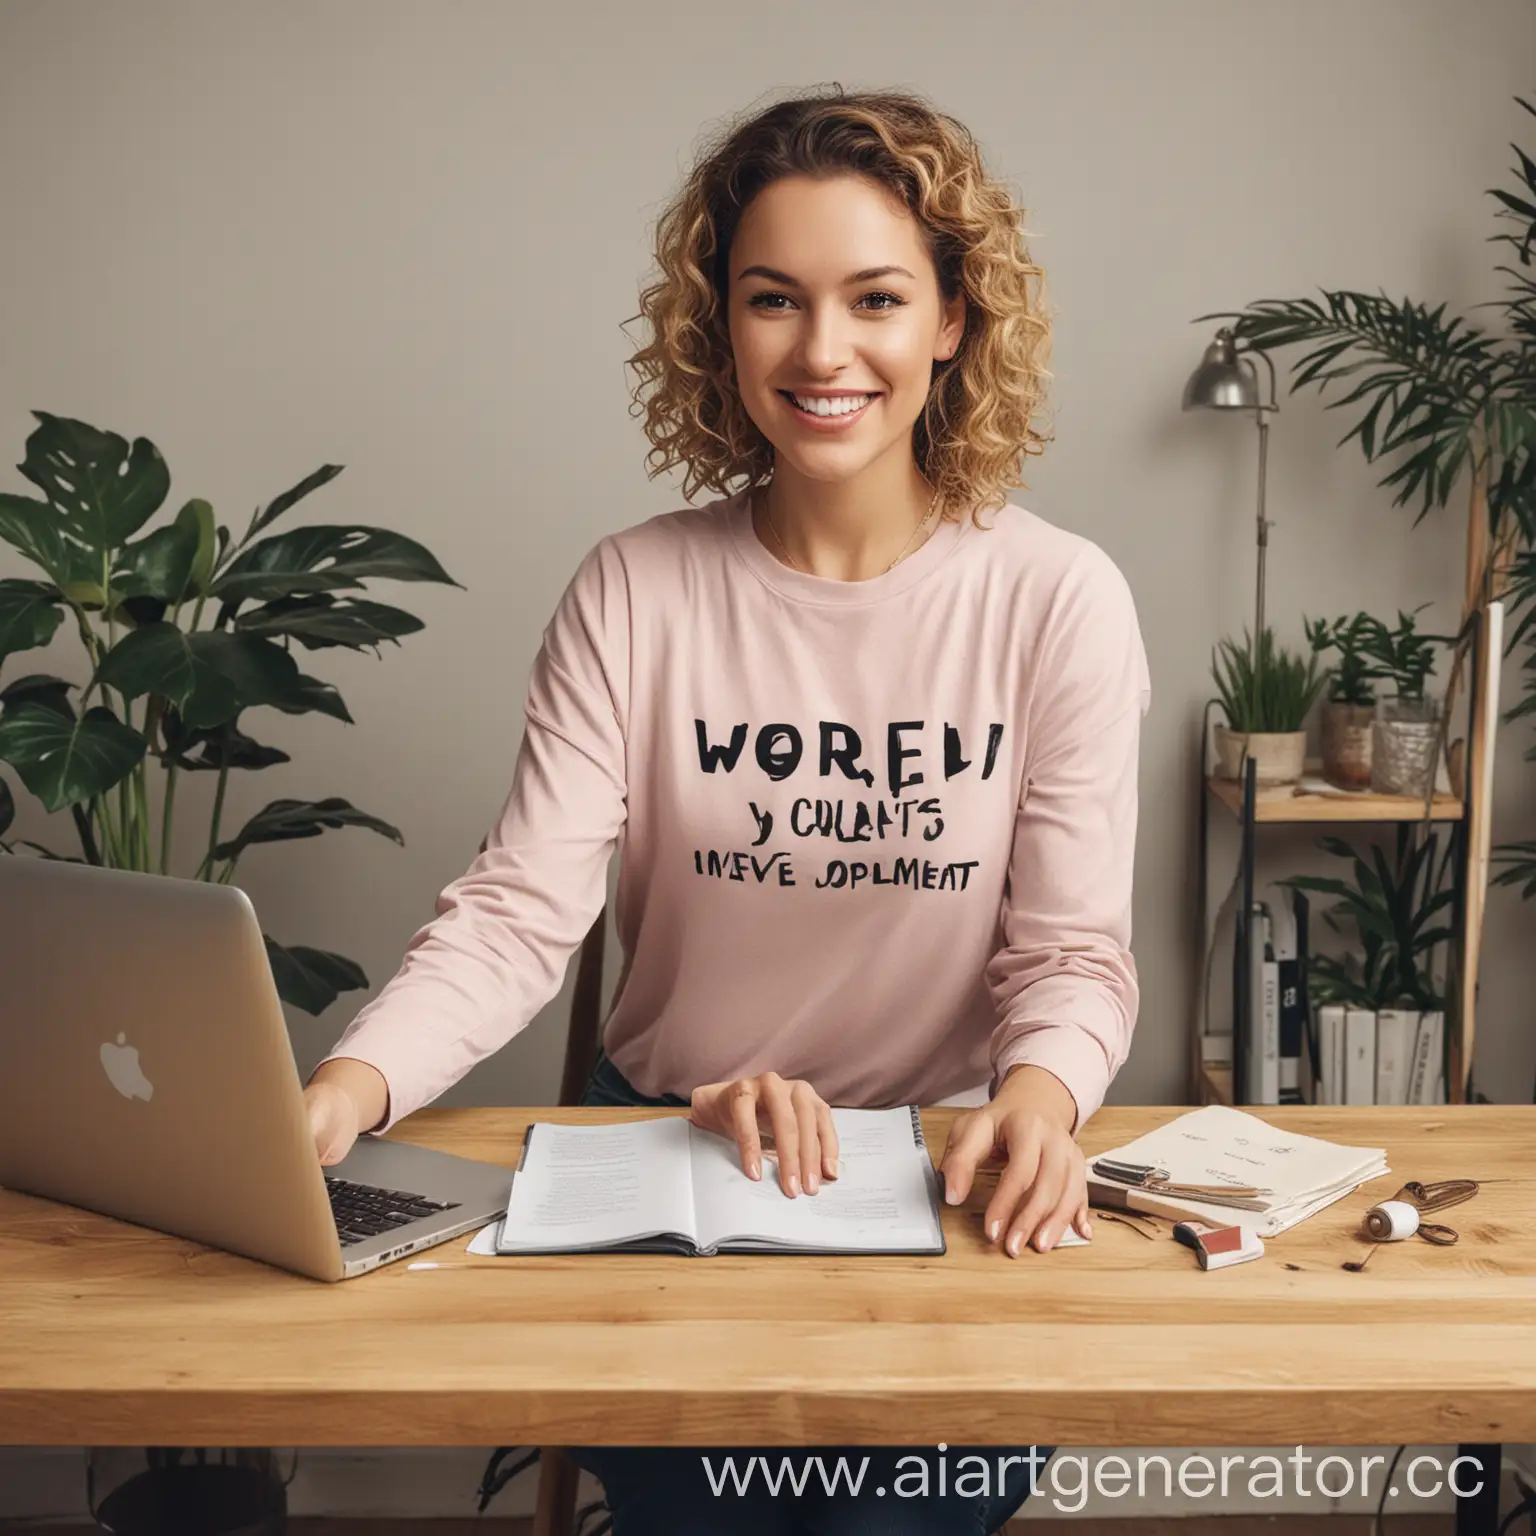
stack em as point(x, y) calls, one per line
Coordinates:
point(838, 405)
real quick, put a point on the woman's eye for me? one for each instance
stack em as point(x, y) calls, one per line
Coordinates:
point(759, 301)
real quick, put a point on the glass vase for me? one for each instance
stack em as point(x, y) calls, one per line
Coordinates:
point(1346, 734)
point(1405, 744)
point(188, 1491)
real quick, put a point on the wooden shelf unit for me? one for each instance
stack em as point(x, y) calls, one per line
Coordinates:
point(1309, 807)
point(1468, 814)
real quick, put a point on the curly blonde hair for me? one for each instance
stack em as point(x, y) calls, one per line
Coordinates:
point(979, 421)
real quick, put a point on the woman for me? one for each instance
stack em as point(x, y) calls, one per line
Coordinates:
point(869, 758)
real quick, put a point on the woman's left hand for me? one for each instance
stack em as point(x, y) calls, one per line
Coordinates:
point(1043, 1186)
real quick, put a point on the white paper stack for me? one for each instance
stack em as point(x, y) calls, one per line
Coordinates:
point(1221, 1145)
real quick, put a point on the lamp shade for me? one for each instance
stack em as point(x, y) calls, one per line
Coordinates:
point(1222, 381)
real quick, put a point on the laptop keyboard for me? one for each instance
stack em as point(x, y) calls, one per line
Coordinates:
point(364, 1210)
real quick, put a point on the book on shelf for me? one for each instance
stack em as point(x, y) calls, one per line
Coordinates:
point(1426, 1080)
point(1330, 1041)
point(663, 1185)
point(1271, 1072)
point(1385, 1056)
point(1269, 1033)
point(1359, 1079)
point(1288, 931)
point(1396, 1031)
point(1261, 1068)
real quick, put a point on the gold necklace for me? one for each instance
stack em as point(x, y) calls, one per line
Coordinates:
point(906, 548)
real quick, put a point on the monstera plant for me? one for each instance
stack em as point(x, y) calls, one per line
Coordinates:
point(184, 632)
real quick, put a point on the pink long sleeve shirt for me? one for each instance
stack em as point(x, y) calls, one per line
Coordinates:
point(878, 835)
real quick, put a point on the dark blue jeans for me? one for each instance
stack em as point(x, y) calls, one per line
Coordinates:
point(817, 1490)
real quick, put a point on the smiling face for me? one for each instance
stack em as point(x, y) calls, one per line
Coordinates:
point(833, 298)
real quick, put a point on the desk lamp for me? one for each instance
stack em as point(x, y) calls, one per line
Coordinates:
point(1226, 380)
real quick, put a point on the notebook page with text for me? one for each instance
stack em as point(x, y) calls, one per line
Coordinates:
point(884, 1199)
point(583, 1186)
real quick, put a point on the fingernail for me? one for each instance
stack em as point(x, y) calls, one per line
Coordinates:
point(810, 1183)
point(1013, 1245)
point(992, 1231)
point(1043, 1239)
point(753, 1171)
point(794, 1183)
point(951, 1194)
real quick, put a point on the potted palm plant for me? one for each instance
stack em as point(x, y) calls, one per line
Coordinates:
point(184, 631)
point(1350, 707)
point(1388, 910)
point(1441, 395)
point(1405, 746)
point(1265, 694)
point(1394, 912)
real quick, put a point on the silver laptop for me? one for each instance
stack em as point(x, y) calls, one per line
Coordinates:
point(146, 1073)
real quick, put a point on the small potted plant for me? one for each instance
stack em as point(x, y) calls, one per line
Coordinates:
point(1266, 693)
point(1350, 708)
point(1406, 731)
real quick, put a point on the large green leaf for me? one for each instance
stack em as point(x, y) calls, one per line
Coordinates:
point(1519, 861)
point(325, 558)
point(210, 675)
point(311, 696)
point(62, 761)
point(29, 615)
point(196, 518)
point(280, 504)
point(284, 820)
point(223, 747)
point(311, 979)
point(1370, 918)
point(322, 620)
point(37, 530)
point(38, 688)
point(104, 491)
point(160, 658)
point(158, 566)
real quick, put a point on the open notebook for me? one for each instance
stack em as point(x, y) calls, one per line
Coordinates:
point(663, 1185)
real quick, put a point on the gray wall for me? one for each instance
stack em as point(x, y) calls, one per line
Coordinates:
point(404, 237)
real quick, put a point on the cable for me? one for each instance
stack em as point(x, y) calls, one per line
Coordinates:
point(493, 1481)
point(585, 1513)
point(1381, 1506)
point(1527, 1506)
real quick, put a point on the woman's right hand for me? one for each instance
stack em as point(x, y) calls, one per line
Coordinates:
point(789, 1109)
point(333, 1120)
point(344, 1097)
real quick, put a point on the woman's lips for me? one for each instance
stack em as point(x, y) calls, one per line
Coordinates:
point(826, 423)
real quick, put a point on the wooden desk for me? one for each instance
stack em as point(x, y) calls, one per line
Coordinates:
point(111, 1334)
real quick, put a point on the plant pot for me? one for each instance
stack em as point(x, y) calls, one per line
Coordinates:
point(201, 1491)
point(1279, 756)
point(1347, 739)
point(1405, 746)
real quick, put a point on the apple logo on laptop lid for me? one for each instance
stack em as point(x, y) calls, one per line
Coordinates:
point(121, 1062)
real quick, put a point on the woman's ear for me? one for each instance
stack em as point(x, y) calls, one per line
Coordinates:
point(947, 343)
